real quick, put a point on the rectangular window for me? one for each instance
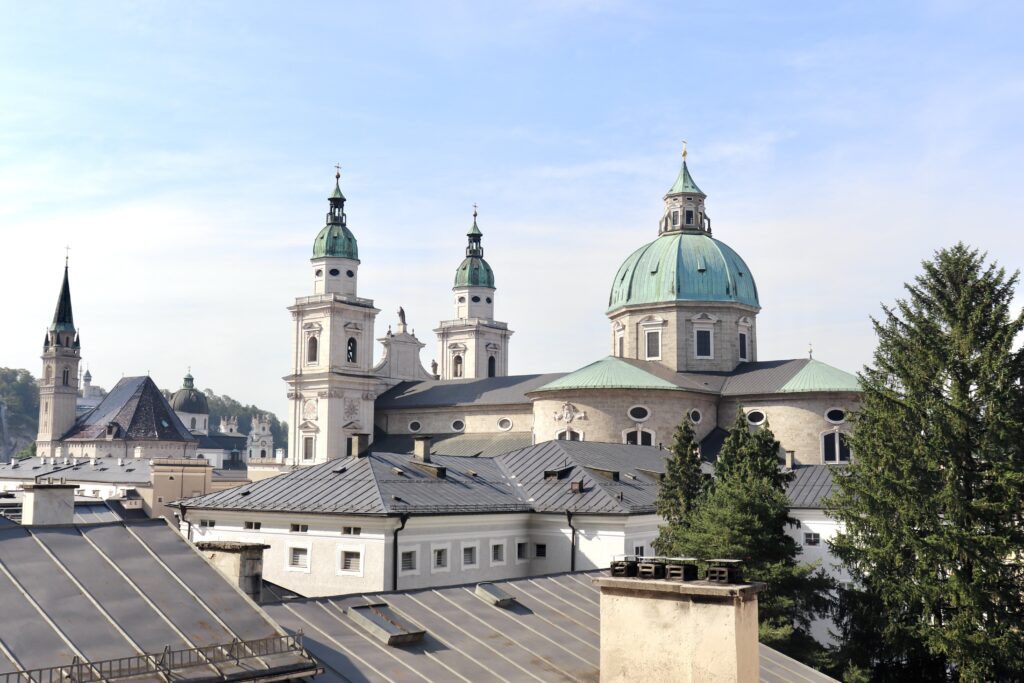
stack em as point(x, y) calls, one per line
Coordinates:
point(298, 558)
point(498, 552)
point(351, 530)
point(299, 528)
point(522, 551)
point(540, 550)
point(307, 448)
point(689, 216)
point(844, 448)
point(440, 557)
point(253, 526)
point(703, 343)
point(469, 556)
point(811, 539)
point(351, 560)
point(621, 345)
point(638, 551)
point(675, 219)
point(207, 523)
point(652, 339)
point(409, 561)
point(743, 346)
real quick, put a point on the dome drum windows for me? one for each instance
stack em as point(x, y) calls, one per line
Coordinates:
point(638, 437)
point(835, 415)
point(743, 338)
point(639, 413)
point(756, 418)
point(650, 338)
point(334, 272)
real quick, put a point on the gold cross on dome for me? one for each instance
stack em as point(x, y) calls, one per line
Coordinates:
point(474, 209)
point(684, 149)
point(67, 251)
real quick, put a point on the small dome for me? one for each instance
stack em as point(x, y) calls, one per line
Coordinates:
point(474, 272)
point(188, 399)
point(683, 266)
point(336, 240)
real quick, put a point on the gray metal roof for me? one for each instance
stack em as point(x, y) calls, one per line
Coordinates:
point(107, 591)
point(552, 633)
point(457, 392)
point(222, 442)
point(138, 409)
point(485, 445)
point(104, 471)
point(810, 486)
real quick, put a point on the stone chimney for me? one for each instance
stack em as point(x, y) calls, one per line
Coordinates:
point(240, 563)
point(44, 503)
point(358, 444)
point(678, 630)
point(421, 448)
point(789, 459)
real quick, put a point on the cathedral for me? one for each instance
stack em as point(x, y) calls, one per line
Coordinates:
point(682, 340)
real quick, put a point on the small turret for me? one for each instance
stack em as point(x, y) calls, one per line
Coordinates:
point(684, 205)
point(335, 251)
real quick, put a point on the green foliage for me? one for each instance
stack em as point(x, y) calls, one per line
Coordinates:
point(684, 481)
point(19, 392)
point(29, 451)
point(743, 514)
point(225, 406)
point(932, 502)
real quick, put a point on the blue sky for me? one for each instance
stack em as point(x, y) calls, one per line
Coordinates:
point(185, 151)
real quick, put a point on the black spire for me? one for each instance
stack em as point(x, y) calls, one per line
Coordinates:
point(63, 318)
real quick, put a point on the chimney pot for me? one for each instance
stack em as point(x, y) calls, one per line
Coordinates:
point(359, 444)
point(789, 459)
point(421, 448)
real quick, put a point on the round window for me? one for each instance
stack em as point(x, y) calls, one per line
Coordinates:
point(504, 424)
point(639, 413)
point(462, 299)
point(695, 416)
point(458, 425)
point(350, 273)
point(755, 417)
point(476, 299)
point(335, 272)
point(836, 415)
point(488, 299)
point(415, 426)
point(319, 272)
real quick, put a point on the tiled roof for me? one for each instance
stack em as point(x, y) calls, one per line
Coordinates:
point(456, 392)
point(552, 633)
point(117, 590)
point(610, 373)
point(810, 486)
point(140, 412)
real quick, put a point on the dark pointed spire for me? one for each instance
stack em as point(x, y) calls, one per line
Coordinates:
point(63, 319)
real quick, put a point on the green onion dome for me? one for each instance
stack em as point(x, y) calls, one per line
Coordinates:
point(336, 240)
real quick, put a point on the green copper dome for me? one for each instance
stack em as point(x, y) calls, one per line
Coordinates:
point(474, 271)
point(336, 240)
point(683, 266)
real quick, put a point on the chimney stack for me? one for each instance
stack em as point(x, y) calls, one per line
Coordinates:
point(789, 459)
point(678, 630)
point(421, 448)
point(240, 563)
point(43, 503)
point(358, 444)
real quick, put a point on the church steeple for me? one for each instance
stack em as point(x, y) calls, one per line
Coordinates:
point(58, 385)
point(63, 318)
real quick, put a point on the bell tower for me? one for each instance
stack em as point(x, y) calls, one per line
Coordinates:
point(474, 344)
point(58, 385)
point(332, 386)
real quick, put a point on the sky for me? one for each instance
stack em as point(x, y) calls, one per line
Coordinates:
point(184, 152)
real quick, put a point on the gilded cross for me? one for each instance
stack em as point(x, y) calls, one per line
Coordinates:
point(684, 149)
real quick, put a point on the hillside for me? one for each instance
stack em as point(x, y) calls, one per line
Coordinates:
point(19, 411)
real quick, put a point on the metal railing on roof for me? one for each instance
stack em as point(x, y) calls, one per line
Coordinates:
point(170, 663)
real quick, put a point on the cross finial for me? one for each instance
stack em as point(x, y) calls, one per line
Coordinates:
point(810, 350)
point(67, 250)
point(474, 211)
point(337, 171)
point(684, 150)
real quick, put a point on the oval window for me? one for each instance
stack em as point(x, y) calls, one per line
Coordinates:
point(488, 299)
point(335, 272)
point(836, 415)
point(350, 273)
point(458, 425)
point(504, 424)
point(639, 413)
point(415, 426)
point(319, 272)
point(476, 299)
point(756, 417)
point(462, 299)
point(695, 416)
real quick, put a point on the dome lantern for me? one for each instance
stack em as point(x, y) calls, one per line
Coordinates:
point(335, 240)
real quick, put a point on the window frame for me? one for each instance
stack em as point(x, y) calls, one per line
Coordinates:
point(697, 329)
point(525, 557)
point(640, 431)
point(252, 525)
point(447, 548)
point(511, 424)
point(746, 416)
point(629, 412)
point(475, 547)
point(538, 554)
point(839, 437)
point(297, 528)
point(415, 550)
point(312, 344)
point(498, 543)
point(808, 541)
point(311, 451)
point(566, 432)
point(352, 351)
point(289, 567)
point(647, 346)
point(830, 420)
point(360, 549)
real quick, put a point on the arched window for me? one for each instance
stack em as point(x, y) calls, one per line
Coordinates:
point(204, 423)
point(350, 354)
point(569, 435)
point(193, 424)
point(311, 350)
point(263, 453)
point(457, 366)
point(638, 437)
point(835, 448)
point(67, 375)
point(492, 366)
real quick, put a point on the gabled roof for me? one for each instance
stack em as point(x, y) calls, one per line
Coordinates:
point(109, 591)
point(610, 373)
point(552, 633)
point(434, 393)
point(139, 410)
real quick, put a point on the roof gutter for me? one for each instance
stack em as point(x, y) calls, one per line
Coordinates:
point(572, 543)
point(394, 550)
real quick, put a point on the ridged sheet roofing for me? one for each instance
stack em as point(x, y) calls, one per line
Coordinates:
point(810, 486)
point(552, 633)
point(609, 373)
point(817, 376)
point(486, 445)
point(106, 470)
point(484, 391)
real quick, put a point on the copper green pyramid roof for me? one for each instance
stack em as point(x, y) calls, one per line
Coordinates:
point(684, 183)
point(609, 373)
point(818, 376)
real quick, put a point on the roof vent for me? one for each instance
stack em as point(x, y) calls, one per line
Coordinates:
point(612, 475)
point(654, 474)
point(576, 486)
point(432, 469)
point(560, 473)
point(399, 471)
point(384, 624)
point(493, 595)
point(339, 470)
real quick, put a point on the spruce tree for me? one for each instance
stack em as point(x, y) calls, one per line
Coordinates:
point(932, 500)
point(683, 481)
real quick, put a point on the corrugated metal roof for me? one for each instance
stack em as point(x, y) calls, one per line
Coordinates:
point(120, 590)
point(552, 633)
point(810, 486)
point(485, 445)
point(484, 391)
point(817, 376)
point(609, 373)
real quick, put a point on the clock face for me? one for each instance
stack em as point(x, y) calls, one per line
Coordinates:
point(263, 443)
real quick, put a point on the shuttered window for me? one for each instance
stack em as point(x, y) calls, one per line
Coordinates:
point(298, 558)
point(351, 561)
